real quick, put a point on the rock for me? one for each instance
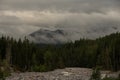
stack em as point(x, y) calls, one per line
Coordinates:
point(59, 74)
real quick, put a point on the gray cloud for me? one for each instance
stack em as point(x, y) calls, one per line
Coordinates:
point(61, 5)
point(81, 18)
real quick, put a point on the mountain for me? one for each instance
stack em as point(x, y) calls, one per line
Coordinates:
point(46, 36)
point(67, 34)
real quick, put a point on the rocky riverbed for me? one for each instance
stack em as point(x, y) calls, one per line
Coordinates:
point(59, 74)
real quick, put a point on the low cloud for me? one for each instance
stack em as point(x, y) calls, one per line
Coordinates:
point(81, 18)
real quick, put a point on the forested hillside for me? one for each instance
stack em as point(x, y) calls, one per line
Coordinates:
point(23, 55)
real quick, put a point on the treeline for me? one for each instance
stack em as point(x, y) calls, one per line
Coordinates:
point(26, 56)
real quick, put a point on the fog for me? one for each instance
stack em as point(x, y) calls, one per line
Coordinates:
point(82, 18)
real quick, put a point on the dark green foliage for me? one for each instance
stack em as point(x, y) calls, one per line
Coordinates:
point(26, 56)
point(2, 77)
point(41, 68)
point(96, 74)
point(4, 74)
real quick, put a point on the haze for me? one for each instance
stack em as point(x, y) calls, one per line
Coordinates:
point(88, 18)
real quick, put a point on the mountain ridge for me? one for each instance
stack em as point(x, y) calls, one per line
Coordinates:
point(46, 36)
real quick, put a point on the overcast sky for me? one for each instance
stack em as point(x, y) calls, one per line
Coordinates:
point(22, 17)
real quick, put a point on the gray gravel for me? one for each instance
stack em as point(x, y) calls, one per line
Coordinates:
point(59, 74)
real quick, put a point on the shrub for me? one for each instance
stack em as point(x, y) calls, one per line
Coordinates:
point(40, 68)
point(2, 75)
point(95, 74)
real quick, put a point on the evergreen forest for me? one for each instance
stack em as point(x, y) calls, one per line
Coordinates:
point(23, 55)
